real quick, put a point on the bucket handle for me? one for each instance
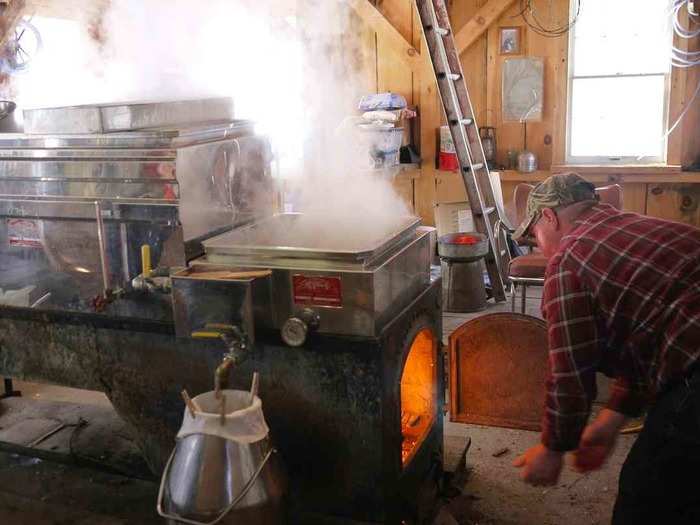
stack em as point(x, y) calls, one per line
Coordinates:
point(228, 509)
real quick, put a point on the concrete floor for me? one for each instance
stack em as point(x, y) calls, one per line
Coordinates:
point(44, 492)
point(494, 494)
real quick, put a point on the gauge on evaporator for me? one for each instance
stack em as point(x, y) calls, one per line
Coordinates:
point(294, 331)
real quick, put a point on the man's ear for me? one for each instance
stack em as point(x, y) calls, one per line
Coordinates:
point(551, 217)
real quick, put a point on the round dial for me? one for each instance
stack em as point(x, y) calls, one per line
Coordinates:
point(294, 331)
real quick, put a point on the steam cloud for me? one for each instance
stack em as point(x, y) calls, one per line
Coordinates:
point(297, 68)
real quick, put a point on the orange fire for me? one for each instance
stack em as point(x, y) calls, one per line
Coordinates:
point(418, 393)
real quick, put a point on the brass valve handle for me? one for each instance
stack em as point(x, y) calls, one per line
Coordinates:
point(146, 266)
point(236, 343)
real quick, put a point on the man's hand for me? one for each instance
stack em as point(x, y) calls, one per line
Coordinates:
point(540, 466)
point(598, 441)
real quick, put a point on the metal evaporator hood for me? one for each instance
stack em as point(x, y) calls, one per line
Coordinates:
point(110, 118)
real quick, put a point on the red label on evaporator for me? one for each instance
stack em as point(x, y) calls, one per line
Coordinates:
point(24, 233)
point(317, 290)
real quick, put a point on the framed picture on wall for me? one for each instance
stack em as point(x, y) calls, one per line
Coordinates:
point(510, 40)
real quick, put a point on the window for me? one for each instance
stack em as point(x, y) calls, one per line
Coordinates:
point(619, 72)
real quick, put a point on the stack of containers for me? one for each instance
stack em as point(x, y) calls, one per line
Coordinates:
point(382, 127)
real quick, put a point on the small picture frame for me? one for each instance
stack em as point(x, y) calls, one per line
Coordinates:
point(510, 40)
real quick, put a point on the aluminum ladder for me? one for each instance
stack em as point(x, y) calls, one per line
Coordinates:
point(486, 211)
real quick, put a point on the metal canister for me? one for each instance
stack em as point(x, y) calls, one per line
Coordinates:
point(527, 162)
point(211, 479)
point(461, 261)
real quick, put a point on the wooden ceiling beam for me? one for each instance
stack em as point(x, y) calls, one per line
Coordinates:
point(480, 22)
point(408, 54)
point(68, 9)
point(10, 13)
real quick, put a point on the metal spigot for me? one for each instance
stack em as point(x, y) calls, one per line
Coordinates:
point(150, 279)
point(236, 341)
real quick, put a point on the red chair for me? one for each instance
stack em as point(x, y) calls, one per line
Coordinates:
point(528, 270)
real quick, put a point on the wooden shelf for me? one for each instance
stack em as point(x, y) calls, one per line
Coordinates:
point(399, 172)
point(617, 169)
point(615, 174)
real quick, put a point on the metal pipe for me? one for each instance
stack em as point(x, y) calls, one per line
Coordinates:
point(101, 240)
point(41, 300)
point(221, 375)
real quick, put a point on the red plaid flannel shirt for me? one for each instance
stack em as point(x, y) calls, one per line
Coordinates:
point(621, 296)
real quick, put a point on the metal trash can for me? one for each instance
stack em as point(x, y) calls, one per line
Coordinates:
point(461, 257)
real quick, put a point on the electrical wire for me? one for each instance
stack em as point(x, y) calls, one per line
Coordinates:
point(529, 16)
point(677, 26)
point(680, 58)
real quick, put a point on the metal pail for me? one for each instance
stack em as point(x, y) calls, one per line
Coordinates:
point(209, 479)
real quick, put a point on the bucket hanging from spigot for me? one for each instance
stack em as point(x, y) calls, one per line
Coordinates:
point(223, 468)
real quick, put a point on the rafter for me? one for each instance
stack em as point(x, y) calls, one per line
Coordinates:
point(480, 22)
point(387, 32)
point(10, 13)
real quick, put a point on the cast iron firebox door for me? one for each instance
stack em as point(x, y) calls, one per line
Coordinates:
point(498, 367)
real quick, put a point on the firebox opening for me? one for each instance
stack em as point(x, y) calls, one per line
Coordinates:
point(418, 403)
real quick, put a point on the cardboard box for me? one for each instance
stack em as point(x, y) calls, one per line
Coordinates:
point(452, 217)
point(452, 213)
point(449, 187)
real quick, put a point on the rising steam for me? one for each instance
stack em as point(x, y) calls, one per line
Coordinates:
point(296, 67)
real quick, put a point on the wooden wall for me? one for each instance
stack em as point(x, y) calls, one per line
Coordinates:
point(659, 191)
point(482, 66)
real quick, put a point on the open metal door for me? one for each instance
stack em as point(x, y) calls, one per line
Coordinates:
point(498, 367)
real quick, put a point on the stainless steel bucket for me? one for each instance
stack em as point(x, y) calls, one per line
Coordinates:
point(209, 479)
point(462, 271)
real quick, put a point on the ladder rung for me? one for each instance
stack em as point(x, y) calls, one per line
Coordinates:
point(456, 104)
point(451, 76)
point(464, 121)
point(486, 211)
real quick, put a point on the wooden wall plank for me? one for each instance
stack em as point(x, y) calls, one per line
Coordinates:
point(634, 197)
point(683, 146)
point(430, 118)
point(473, 59)
point(540, 135)
point(395, 76)
point(690, 134)
point(509, 135)
point(392, 75)
point(449, 187)
point(559, 98)
point(675, 202)
point(677, 102)
point(404, 189)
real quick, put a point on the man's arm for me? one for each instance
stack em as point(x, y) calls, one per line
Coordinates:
point(574, 353)
point(627, 397)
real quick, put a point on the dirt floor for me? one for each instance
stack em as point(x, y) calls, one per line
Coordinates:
point(494, 494)
point(48, 491)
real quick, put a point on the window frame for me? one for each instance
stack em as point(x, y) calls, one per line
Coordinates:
point(604, 159)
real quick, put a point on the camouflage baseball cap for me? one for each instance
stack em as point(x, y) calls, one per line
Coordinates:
point(557, 190)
